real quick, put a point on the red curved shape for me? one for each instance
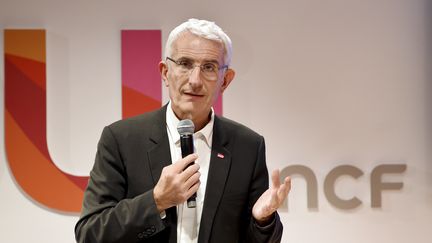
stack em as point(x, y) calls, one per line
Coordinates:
point(25, 125)
point(25, 112)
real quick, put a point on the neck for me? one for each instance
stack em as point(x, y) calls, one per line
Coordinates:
point(200, 123)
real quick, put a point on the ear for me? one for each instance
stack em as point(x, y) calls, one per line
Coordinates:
point(228, 77)
point(163, 69)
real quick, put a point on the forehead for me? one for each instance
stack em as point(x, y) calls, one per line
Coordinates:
point(196, 47)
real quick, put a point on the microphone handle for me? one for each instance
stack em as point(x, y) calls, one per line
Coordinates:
point(186, 143)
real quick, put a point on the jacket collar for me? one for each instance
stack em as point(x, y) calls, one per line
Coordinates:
point(220, 164)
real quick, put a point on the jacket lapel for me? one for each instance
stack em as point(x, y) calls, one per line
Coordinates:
point(159, 156)
point(220, 163)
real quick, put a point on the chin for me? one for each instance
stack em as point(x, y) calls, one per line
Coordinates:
point(190, 111)
point(185, 111)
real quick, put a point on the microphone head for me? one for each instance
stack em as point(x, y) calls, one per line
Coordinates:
point(185, 127)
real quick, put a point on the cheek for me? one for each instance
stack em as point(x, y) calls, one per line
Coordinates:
point(171, 81)
point(213, 93)
point(174, 87)
point(217, 87)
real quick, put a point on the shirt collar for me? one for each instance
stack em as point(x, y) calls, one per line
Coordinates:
point(172, 121)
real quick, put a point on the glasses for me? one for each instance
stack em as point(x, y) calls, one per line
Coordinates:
point(209, 70)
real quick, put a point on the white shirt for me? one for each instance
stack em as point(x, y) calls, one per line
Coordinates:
point(188, 219)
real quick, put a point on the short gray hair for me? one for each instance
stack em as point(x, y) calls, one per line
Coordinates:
point(202, 28)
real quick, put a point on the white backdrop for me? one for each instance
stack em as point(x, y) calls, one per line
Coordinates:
point(326, 82)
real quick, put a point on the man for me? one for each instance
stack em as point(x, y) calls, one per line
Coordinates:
point(139, 183)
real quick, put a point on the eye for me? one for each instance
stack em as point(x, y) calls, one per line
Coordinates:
point(186, 64)
point(209, 67)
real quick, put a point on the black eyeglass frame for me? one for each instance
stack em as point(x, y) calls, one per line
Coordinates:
point(194, 66)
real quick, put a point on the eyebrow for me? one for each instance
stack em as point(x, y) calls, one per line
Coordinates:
point(204, 60)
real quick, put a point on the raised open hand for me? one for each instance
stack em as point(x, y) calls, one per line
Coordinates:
point(271, 199)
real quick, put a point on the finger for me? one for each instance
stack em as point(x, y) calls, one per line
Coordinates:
point(188, 172)
point(282, 192)
point(193, 189)
point(183, 163)
point(288, 183)
point(275, 179)
point(274, 200)
point(284, 189)
point(191, 181)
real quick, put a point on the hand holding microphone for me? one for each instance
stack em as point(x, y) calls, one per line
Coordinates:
point(179, 181)
point(186, 129)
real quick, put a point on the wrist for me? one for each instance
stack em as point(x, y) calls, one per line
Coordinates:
point(158, 202)
point(265, 220)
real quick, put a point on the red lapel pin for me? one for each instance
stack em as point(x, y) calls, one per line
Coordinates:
point(219, 155)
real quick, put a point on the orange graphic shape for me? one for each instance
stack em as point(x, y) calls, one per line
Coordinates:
point(135, 103)
point(26, 44)
point(36, 175)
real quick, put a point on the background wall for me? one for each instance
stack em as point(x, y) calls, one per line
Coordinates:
point(326, 82)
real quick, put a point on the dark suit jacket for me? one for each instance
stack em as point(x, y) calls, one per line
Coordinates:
point(118, 202)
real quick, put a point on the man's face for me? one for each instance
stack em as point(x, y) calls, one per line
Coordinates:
point(192, 93)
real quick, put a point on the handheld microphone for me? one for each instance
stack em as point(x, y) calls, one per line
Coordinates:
point(186, 129)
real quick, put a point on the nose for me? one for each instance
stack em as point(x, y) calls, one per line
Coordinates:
point(195, 79)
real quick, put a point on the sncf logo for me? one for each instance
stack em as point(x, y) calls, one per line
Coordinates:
point(25, 110)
